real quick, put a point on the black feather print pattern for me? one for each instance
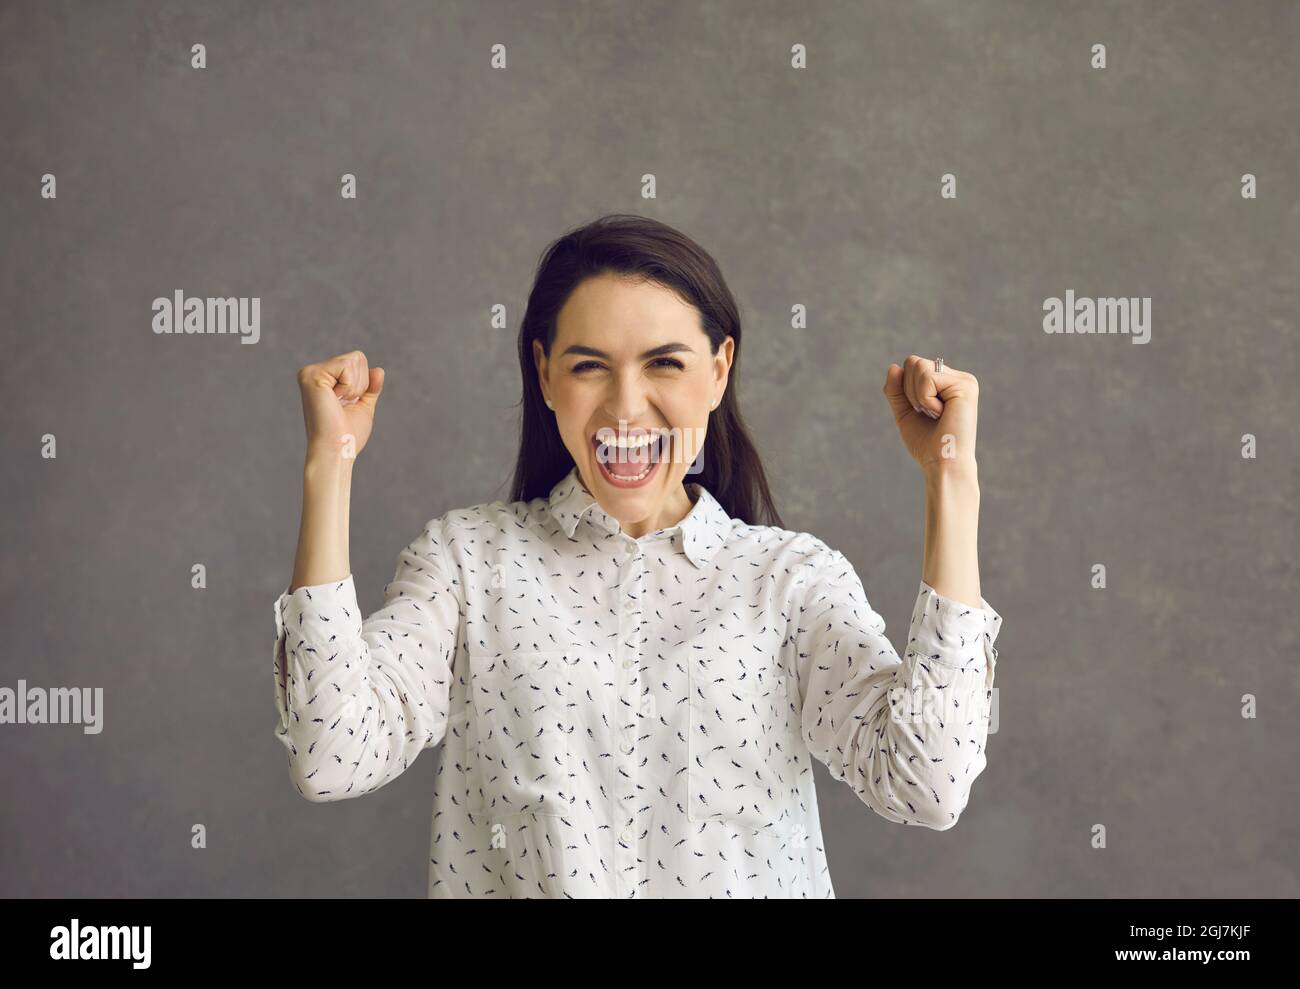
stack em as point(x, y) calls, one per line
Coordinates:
point(627, 717)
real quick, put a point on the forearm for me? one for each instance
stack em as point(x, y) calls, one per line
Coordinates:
point(322, 555)
point(950, 562)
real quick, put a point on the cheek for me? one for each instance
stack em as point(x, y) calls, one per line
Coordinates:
point(688, 400)
point(576, 409)
point(692, 440)
point(688, 413)
point(573, 408)
point(575, 438)
point(688, 440)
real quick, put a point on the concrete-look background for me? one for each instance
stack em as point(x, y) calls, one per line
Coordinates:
point(819, 186)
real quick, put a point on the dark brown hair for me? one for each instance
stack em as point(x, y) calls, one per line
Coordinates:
point(637, 246)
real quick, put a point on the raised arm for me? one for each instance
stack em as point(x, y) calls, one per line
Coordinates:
point(906, 734)
point(357, 700)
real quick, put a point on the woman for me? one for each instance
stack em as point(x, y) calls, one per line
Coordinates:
point(630, 671)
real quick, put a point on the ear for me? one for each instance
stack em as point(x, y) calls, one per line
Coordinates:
point(543, 368)
point(722, 365)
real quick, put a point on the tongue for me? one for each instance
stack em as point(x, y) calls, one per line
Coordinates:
point(627, 463)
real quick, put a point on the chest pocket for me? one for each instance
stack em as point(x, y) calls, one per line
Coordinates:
point(739, 750)
point(521, 735)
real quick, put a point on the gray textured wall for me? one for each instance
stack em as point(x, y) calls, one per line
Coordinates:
point(821, 186)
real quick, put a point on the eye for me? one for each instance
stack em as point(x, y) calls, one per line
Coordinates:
point(584, 366)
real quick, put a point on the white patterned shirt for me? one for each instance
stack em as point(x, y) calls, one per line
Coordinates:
point(628, 717)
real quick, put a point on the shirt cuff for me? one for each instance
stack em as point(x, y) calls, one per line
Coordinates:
point(954, 634)
point(314, 616)
point(319, 613)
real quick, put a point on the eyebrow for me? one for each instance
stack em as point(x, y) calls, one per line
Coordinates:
point(668, 348)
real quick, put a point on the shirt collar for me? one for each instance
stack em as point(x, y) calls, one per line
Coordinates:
point(703, 531)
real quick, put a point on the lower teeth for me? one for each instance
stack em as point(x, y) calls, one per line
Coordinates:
point(625, 477)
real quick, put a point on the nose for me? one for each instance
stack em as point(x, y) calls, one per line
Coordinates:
point(628, 398)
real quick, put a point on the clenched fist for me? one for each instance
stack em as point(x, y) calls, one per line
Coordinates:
point(338, 404)
point(935, 413)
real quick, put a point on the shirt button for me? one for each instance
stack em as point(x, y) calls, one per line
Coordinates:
point(625, 746)
point(628, 664)
point(626, 836)
point(631, 606)
point(631, 549)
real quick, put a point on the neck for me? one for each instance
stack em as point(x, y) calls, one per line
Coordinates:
point(675, 508)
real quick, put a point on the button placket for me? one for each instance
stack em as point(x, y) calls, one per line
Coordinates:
point(631, 638)
point(629, 607)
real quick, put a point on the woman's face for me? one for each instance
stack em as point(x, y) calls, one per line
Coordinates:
point(631, 363)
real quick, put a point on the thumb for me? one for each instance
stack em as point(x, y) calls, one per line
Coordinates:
point(376, 386)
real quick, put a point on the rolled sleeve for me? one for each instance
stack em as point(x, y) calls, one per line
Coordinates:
point(317, 615)
point(955, 635)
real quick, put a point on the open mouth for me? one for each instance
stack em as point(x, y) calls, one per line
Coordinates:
point(628, 461)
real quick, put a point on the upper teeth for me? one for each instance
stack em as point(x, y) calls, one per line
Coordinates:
point(626, 442)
